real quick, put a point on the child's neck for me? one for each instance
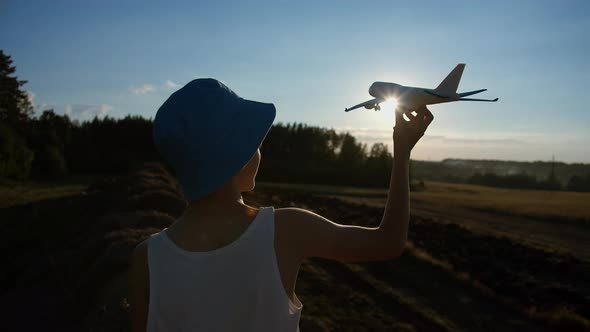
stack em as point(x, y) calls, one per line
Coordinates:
point(225, 202)
point(226, 196)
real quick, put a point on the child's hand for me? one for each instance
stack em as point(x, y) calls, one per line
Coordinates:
point(407, 133)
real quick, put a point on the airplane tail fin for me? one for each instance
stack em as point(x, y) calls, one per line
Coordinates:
point(450, 84)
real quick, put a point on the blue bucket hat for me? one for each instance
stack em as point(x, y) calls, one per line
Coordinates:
point(208, 133)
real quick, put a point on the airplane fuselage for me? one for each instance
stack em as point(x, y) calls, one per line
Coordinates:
point(411, 98)
point(408, 97)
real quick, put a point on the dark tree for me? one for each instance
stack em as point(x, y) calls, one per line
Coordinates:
point(15, 156)
point(550, 183)
point(378, 165)
point(48, 136)
point(15, 108)
point(579, 183)
point(15, 111)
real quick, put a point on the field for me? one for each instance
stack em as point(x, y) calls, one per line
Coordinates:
point(470, 267)
point(550, 220)
point(478, 258)
point(525, 203)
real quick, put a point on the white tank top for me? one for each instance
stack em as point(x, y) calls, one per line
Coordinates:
point(234, 288)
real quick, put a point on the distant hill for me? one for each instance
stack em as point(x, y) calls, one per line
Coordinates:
point(459, 170)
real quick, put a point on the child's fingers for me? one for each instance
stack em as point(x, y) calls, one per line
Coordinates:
point(410, 115)
point(422, 109)
point(399, 117)
point(424, 115)
point(427, 117)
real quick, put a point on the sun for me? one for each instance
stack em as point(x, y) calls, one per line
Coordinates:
point(389, 103)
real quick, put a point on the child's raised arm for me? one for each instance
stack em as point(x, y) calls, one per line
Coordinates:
point(311, 235)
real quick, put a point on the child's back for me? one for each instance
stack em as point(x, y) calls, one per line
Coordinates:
point(236, 287)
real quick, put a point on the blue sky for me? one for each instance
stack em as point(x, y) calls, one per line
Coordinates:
point(313, 59)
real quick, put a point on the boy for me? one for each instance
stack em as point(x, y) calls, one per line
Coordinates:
point(226, 266)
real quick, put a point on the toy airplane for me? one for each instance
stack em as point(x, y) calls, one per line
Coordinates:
point(411, 98)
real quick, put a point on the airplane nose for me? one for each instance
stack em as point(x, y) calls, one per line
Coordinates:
point(373, 89)
point(383, 90)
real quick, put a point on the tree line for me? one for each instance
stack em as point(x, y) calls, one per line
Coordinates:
point(516, 181)
point(51, 145)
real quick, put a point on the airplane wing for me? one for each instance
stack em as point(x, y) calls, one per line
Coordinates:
point(371, 102)
point(474, 99)
point(465, 94)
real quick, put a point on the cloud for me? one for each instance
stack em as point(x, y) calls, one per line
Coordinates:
point(147, 88)
point(31, 97)
point(506, 145)
point(84, 112)
point(478, 141)
point(379, 135)
point(369, 135)
point(170, 85)
point(40, 107)
point(142, 89)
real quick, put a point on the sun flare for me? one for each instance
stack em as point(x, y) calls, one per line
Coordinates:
point(389, 104)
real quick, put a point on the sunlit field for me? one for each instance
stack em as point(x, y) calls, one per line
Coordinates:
point(530, 203)
point(525, 203)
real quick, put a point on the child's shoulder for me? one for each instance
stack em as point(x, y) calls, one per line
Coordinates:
point(292, 219)
point(290, 213)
